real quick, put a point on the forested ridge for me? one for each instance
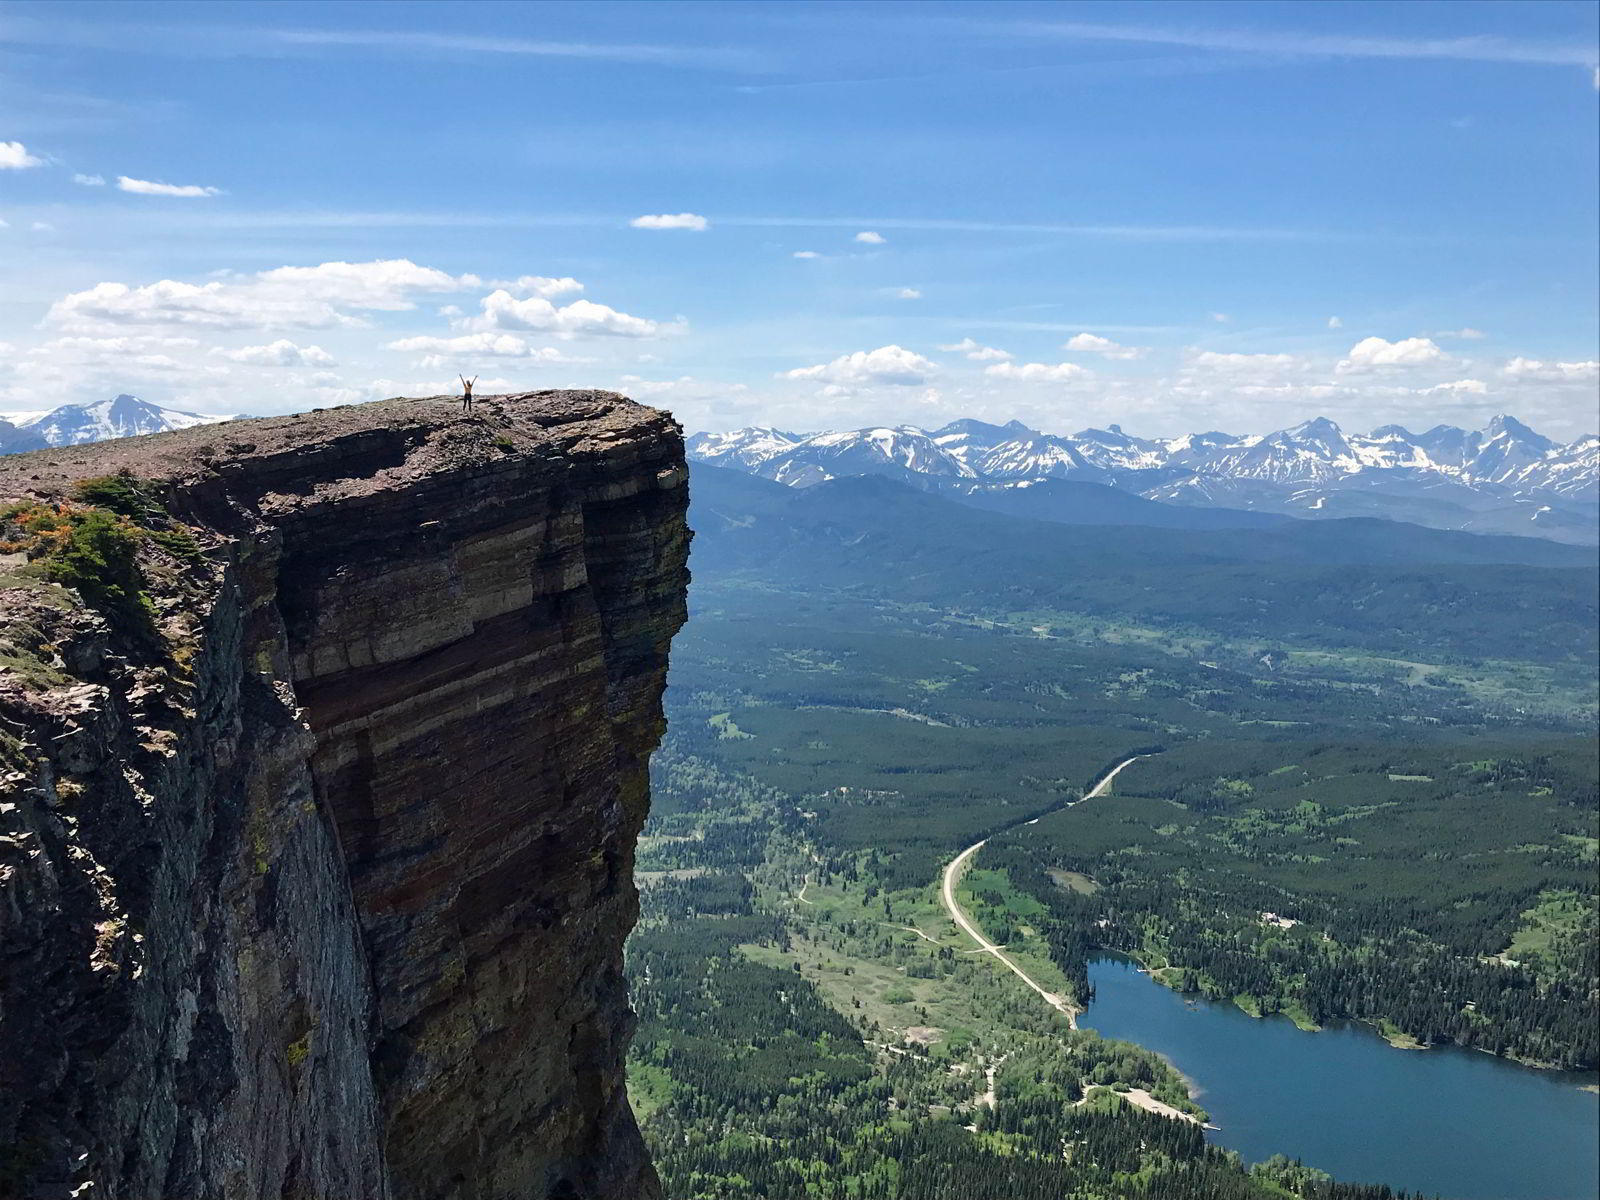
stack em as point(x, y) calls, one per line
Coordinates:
point(1346, 888)
point(752, 1085)
point(1336, 820)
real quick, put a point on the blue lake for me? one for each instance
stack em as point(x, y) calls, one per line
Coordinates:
point(1454, 1122)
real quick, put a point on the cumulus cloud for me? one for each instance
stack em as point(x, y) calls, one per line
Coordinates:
point(806, 254)
point(1551, 372)
point(538, 285)
point(868, 238)
point(94, 348)
point(1335, 323)
point(483, 345)
point(281, 353)
point(581, 318)
point(1458, 387)
point(1215, 360)
point(80, 366)
point(285, 297)
point(976, 351)
point(1374, 353)
point(14, 156)
point(172, 302)
point(386, 284)
point(1088, 343)
point(684, 220)
point(148, 187)
point(1038, 372)
point(894, 365)
point(90, 180)
point(906, 293)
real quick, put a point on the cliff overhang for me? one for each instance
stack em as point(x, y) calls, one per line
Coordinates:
point(324, 744)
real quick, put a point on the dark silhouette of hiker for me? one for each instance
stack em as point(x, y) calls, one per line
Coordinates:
point(466, 392)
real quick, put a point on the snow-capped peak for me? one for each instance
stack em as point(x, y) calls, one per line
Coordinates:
point(1441, 476)
point(743, 448)
point(121, 416)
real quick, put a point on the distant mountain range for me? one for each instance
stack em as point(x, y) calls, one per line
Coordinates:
point(1505, 478)
point(1357, 581)
point(122, 416)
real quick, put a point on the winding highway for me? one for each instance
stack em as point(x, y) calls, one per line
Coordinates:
point(958, 867)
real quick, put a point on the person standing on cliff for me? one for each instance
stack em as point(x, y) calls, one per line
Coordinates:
point(466, 392)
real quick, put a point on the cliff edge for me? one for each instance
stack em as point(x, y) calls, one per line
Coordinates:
point(323, 743)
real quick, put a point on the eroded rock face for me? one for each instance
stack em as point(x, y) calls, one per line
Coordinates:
point(323, 892)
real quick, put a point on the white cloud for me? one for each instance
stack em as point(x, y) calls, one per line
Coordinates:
point(90, 180)
point(538, 285)
point(169, 301)
point(1088, 343)
point(1335, 323)
point(1290, 391)
point(285, 297)
point(14, 156)
point(893, 365)
point(146, 187)
point(906, 293)
point(1215, 360)
point(976, 351)
point(1468, 334)
point(385, 284)
point(868, 238)
point(90, 348)
point(281, 353)
point(1458, 387)
point(1551, 372)
point(1374, 353)
point(1038, 372)
point(1221, 318)
point(483, 345)
point(684, 220)
point(503, 311)
point(4, 224)
point(42, 227)
point(806, 254)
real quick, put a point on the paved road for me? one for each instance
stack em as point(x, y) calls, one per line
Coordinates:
point(958, 867)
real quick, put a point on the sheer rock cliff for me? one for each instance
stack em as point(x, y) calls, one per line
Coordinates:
point(316, 855)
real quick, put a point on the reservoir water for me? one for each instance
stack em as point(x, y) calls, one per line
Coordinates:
point(1451, 1122)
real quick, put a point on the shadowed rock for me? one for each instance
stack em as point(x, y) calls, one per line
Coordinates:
point(317, 886)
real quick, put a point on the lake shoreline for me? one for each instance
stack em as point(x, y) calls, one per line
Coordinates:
point(1396, 1038)
point(1344, 1104)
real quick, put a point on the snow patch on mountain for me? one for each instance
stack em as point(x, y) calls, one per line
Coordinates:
point(121, 416)
point(1503, 478)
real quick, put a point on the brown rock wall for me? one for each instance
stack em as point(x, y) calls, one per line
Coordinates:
point(335, 906)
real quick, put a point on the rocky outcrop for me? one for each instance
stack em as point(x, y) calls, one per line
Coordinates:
point(316, 857)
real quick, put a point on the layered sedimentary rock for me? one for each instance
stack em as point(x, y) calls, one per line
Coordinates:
point(316, 886)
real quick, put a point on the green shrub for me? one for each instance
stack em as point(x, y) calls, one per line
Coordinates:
point(127, 495)
point(124, 493)
point(99, 557)
point(93, 550)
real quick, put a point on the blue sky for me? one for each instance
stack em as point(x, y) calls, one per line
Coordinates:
point(1175, 216)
